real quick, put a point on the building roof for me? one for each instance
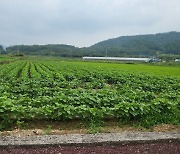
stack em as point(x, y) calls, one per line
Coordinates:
point(117, 58)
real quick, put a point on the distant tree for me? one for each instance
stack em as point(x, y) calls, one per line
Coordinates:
point(1, 49)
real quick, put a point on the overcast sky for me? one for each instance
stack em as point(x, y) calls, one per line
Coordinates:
point(83, 22)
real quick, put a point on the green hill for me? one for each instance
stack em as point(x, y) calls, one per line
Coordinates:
point(145, 45)
point(135, 46)
point(48, 50)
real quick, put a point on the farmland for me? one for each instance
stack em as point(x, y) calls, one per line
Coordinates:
point(60, 90)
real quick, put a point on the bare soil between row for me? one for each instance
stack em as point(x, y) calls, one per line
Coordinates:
point(76, 127)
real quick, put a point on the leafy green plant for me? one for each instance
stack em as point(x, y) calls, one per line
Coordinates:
point(62, 90)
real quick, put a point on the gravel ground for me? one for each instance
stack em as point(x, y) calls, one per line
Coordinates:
point(156, 148)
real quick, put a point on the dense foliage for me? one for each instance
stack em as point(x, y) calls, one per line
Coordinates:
point(60, 90)
point(1, 49)
point(144, 45)
point(140, 45)
point(48, 50)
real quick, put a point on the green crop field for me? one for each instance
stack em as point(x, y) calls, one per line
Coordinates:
point(37, 89)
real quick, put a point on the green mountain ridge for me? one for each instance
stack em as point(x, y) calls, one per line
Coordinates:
point(161, 43)
point(137, 45)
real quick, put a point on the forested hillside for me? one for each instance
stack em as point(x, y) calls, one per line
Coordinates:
point(48, 50)
point(139, 45)
point(162, 43)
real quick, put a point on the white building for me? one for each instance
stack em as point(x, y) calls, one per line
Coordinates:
point(118, 59)
point(177, 60)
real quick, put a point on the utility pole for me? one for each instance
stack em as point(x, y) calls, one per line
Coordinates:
point(106, 52)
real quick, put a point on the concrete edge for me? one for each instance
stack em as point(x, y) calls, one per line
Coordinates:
point(90, 139)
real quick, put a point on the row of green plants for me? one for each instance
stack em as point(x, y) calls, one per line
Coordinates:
point(60, 90)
